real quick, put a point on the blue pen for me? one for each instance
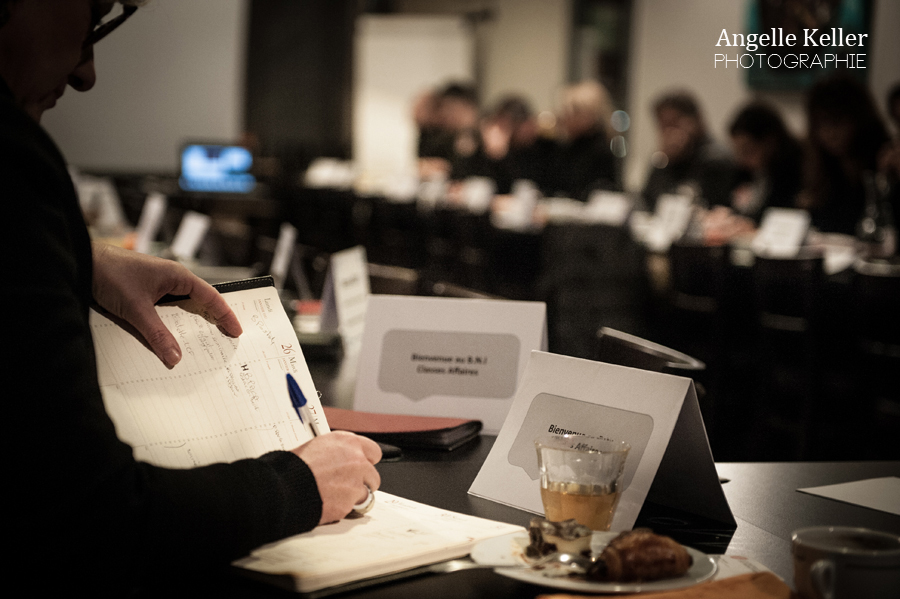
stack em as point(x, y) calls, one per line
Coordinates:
point(298, 400)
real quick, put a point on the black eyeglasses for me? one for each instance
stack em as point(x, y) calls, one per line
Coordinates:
point(104, 29)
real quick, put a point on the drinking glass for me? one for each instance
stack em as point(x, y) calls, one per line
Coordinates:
point(581, 478)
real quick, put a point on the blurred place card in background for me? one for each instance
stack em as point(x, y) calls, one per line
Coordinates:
point(458, 358)
point(516, 212)
point(190, 234)
point(330, 173)
point(875, 493)
point(149, 222)
point(346, 294)
point(781, 232)
point(670, 462)
point(284, 251)
point(608, 208)
point(100, 204)
point(477, 193)
point(669, 222)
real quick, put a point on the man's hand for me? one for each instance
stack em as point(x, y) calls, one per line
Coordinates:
point(128, 284)
point(343, 464)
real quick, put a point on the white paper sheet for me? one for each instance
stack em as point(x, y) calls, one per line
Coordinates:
point(881, 494)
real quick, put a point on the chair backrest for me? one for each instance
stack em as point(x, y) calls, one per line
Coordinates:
point(876, 301)
point(444, 289)
point(616, 347)
point(697, 275)
point(786, 291)
point(393, 280)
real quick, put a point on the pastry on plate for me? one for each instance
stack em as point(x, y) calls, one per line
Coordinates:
point(640, 556)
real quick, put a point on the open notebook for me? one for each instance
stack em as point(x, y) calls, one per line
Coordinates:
point(226, 400)
point(396, 536)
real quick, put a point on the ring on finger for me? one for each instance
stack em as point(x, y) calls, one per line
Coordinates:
point(367, 504)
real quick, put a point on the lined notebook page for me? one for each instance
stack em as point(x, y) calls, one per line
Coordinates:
point(398, 534)
point(227, 399)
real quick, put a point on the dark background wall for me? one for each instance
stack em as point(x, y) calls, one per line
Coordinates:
point(299, 76)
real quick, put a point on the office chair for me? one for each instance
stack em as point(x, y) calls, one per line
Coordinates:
point(876, 330)
point(786, 292)
point(393, 280)
point(616, 347)
point(445, 289)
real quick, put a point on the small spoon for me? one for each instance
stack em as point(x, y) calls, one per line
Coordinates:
point(571, 562)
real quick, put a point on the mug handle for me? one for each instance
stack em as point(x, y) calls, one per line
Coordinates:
point(822, 576)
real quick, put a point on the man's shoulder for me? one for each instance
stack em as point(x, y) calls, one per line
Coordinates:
point(20, 134)
point(28, 155)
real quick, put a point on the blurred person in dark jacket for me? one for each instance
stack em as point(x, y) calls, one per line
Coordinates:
point(770, 155)
point(447, 119)
point(889, 161)
point(687, 160)
point(846, 136)
point(510, 147)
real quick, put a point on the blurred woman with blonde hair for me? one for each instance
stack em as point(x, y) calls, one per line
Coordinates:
point(585, 161)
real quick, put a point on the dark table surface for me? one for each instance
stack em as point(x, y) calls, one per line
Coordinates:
point(765, 501)
point(762, 496)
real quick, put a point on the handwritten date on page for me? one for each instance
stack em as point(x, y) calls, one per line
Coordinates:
point(226, 400)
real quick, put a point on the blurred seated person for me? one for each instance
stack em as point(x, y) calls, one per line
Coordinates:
point(688, 160)
point(765, 149)
point(584, 161)
point(720, 225)
point(447, 120)
point(889, 161)
point(846, 136)
point(510, 148)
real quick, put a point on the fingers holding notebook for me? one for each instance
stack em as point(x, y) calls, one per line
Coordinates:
point(129, 284)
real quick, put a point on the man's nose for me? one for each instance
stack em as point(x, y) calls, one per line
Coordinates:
point(83, 77)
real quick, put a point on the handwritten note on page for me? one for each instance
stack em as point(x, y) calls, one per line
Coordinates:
point(226, 400)
point(397, 535)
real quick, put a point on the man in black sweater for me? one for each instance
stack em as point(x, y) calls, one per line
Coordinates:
point(82, 512)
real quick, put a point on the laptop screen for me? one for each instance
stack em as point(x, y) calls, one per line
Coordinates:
point(216, 168)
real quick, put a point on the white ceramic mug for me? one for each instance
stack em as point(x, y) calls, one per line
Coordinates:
point(841, 562)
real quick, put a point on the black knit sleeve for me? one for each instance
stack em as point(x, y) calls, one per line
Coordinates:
point(74, 489)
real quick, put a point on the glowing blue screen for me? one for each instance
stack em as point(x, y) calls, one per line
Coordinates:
point(216, 168)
